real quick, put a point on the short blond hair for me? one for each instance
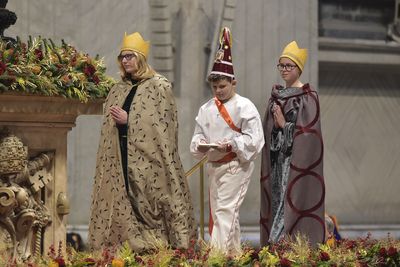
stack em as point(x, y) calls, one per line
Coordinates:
point(144, 71)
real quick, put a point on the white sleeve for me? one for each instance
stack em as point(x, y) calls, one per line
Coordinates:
point(251, 141)
point(199, 134)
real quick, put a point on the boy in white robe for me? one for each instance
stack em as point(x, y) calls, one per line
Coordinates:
point(229, 130)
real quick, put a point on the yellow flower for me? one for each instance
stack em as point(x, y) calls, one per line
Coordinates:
point(21, 81)
point(54, 59)
point(117, 263)
point(53, 264)
point(363, 252)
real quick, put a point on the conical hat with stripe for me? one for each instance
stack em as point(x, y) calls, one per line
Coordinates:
point(223, 58)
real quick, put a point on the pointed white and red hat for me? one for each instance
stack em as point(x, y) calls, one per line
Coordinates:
point(223, 58)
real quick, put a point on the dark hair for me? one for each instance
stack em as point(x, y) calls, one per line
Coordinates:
point(219, 77)
point(75, 240)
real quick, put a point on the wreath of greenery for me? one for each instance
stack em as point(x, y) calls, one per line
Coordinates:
point(42, 67)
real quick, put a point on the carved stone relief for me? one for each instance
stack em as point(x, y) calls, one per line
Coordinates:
point(23, 215)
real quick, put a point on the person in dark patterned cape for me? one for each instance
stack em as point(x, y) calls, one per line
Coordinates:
point(292, 182)
point(140, 192)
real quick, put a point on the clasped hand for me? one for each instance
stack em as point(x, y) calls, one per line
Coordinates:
point(279, 119)
point(119, 115)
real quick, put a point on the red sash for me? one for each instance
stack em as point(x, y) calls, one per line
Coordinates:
point(225, 115)
point(227, 158)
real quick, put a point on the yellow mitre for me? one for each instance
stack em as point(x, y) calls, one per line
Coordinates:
point(293, 52)
point(135, 42)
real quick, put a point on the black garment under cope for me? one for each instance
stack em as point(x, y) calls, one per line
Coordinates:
point(123, 132)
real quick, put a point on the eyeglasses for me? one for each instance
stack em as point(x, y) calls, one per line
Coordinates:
point(126, 56)
point(288, 67)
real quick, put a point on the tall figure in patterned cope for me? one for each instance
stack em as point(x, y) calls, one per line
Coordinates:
point(292, 181)
point(140, 192)
point(229, 131)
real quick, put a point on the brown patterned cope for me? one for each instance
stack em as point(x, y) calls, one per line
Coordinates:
point(304, 196)
point(158, 204)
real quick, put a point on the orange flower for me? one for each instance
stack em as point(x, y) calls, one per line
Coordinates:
point(117, 263)
point(36, 69)
point(65, 78)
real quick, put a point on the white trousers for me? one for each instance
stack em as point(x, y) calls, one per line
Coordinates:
point(228, 184)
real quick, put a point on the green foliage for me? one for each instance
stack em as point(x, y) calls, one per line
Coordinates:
point(268, 258)
point(217, 259)
point(41, 67)
point(290, 252)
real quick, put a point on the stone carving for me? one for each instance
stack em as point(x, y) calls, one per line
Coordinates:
point(62, 204)
point(7, 18)
point(23, 215)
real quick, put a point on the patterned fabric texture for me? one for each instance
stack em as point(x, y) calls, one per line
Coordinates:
point(157, 205)
point(292, 182)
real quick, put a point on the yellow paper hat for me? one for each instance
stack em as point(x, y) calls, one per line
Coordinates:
point(135, 42)
point(293, 52)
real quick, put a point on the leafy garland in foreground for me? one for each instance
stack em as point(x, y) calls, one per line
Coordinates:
point(41, 67)
point(361, 252)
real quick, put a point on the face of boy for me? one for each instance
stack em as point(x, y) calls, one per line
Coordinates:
point(223, 89)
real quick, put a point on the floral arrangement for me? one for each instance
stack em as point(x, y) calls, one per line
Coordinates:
point(287, 253)
point(42, 67)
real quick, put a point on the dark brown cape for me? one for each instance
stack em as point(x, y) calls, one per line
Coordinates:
point(305, 194)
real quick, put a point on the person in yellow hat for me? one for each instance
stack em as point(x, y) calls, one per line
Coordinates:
point(292, 181)
point(140, 190)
